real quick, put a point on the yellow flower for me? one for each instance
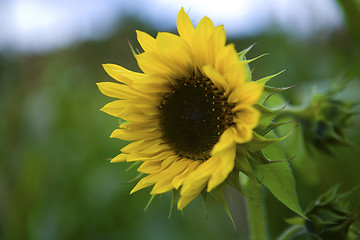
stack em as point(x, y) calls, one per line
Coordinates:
point(186, 112)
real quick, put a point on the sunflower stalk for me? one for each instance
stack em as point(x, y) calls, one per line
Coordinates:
point(255, 211)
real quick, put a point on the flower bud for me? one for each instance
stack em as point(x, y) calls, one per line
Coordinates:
point(329, 217)
point(324, 118)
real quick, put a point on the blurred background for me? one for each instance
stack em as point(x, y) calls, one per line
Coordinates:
point(55, 178)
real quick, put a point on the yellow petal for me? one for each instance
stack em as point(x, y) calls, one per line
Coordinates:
point(164, 184)
point(119, 158)
point(226, 58)
point(215, 77)
point(185, 200)
point(156, 147)
point(126, 135)
point(143, 183)
point(121, 74)
point(151, 63)
point(185, 28)
point(121, 91)
point(227, 139)
point(146, 41)
point(248, 93)
point(178, 180)
point(193, 182)
point(114, 108)
point(247, 116)
point(217, 42)
point(136, 156)
point(157, 166)
point(196, 181)
point(201, 42)
point(162, 179)
point(242, 133)
point(150, 167)
point(236, 76)
point(222, 170)
point(176, 53)
point(139, 145)
point(137, 114)
point(153, 84)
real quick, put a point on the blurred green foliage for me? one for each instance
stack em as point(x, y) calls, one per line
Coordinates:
point(55, 178)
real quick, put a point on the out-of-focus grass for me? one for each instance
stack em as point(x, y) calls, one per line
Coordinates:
point(55, 180)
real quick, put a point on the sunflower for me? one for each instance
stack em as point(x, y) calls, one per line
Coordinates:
point(188, 110)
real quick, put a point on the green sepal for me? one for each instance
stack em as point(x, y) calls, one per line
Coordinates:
point(203, 197)
point(269, 91)
point(295, 221)
point(241, 55)
point(259, 142)
point(260, 158)
point(132, 166)
point(265, 150)
point(242, 164)
point(276, 151)
point(218, 194)
point(135, 178)
point(132, 50)
point(234, 181)
point(175, 194)
point(278, 178)
point(267, 115)
point(256, 58)
point(272, 126)
point(149, 202)
point(264, 80)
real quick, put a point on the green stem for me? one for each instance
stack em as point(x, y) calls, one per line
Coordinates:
point(255, 211)
point(291, 232)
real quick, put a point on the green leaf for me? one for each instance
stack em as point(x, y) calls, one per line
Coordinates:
point(278, 178)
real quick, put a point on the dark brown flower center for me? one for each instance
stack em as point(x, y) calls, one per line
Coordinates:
point(193, 116)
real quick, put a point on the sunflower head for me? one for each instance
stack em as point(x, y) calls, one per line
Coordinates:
point(190, 114)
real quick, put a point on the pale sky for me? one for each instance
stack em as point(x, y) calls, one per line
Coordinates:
point(41, 25)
